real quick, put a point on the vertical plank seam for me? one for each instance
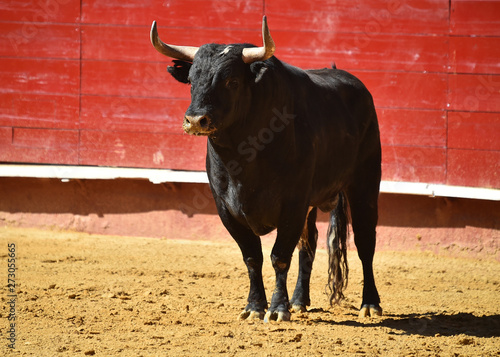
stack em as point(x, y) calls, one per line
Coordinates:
point(80, 86)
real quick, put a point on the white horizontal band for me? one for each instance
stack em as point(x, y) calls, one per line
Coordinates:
point(157, 176)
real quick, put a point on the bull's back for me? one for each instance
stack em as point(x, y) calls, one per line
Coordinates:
point(345, 127)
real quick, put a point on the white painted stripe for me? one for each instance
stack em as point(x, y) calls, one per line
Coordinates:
point(436, 190)
point(157, 176)
point(102, 173)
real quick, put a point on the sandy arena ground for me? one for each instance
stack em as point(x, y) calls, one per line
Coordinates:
point(82, 295)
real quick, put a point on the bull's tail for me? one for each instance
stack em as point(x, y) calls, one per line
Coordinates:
point(338, 269)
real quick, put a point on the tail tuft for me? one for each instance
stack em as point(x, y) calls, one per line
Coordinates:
point(338, 269)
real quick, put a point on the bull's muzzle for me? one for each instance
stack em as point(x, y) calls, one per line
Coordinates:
point(198, 125)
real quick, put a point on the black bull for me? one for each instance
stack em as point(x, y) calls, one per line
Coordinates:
point(283, 142)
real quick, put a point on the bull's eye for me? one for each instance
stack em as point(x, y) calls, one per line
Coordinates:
point(232, 83)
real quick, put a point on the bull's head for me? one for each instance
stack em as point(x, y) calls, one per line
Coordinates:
point(221, 78)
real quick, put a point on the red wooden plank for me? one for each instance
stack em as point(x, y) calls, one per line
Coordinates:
point(39, 40)
point(39, 146)
point(152, 115)
point(412, 127)
point(475, 54)
point(184, 13)
point(413, 164)
point(406, 90)
point(474, 168)
point(361, 16)
point(362, 51)
point(133, 43)
point(46, 138)
point(37, 11)
point(180, 152)
point(39, 75)
point(479, 131)
point(130, 79)
point(475, 17)
point(5, 138)
point(39, 110)
point(470, 92)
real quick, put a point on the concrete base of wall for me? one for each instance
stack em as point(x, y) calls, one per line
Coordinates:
point(450, 226)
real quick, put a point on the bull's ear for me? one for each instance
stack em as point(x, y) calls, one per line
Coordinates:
point(258, 69)
point(180, 70)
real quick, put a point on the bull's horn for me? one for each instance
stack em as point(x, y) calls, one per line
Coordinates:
point(255, 54)
point(184, 53)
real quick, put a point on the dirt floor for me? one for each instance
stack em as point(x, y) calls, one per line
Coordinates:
point(81, 294)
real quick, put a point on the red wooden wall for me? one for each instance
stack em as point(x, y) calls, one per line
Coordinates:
point(82, 85)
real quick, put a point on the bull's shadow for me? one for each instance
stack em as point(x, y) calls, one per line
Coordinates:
point(429, 324)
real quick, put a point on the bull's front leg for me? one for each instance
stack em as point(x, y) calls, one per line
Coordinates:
point(251, 249)
point(281, 257)
point(257, 302)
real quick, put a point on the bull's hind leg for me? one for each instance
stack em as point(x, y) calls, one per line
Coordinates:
point(363, 199)
point(307, 250)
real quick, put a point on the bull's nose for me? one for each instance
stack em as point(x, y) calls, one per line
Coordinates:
point(199, 124)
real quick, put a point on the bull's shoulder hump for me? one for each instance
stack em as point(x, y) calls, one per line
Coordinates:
point(334, 78)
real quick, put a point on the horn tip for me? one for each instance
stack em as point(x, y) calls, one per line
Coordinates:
point(153, 34)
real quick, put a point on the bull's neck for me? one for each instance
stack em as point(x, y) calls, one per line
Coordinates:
point(253, 148)
point(265, 132)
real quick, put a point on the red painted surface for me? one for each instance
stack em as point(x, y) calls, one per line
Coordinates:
point(474, 168)
point(39, 145)
point(475, 131)
point(410, 127)
point(57, 111)
point(472, 17)
point(81, 83)
point(477, 55)
point(414, 163)
point(361, 16)
point(178, 152)
point(45, 40)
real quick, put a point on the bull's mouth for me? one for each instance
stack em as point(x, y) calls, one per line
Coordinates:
point(200, 133)
point(198, 127)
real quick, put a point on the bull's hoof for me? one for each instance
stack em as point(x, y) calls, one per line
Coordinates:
point(369, 310)
point(251, 315)
point(299, 308)
point(277, 316)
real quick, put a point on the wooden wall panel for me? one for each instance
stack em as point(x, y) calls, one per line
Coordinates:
point(406, 89)
point(34, 12)
point(479, 55)
point(474, 168)
point(178, 152)
point(133, 114)
point(39, 40)
point(473, 93)
point(39, 145)
point(30, 75)
point(180, 13)
point(39, 110)
point(387, 52)
point(413, 163)
point(86, 71)
point(425, 128)
point(477, 131)
point(130, 79)
point(472, 17)
point(360, 16)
